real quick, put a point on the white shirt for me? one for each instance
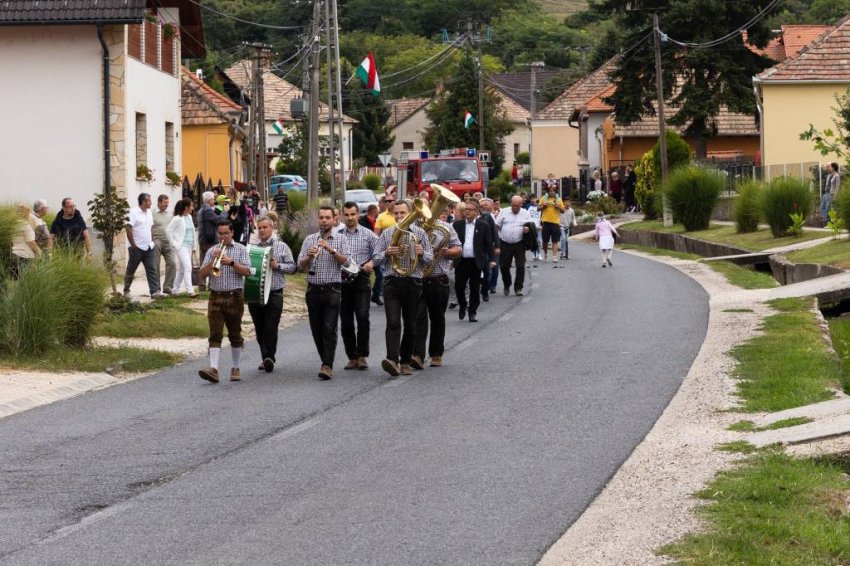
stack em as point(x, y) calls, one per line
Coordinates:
point(511, 225)
point(534, 213)
point(142, 224)
point(468, 248)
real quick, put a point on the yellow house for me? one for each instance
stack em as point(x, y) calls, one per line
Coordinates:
point(212, 137)
point(801, 91)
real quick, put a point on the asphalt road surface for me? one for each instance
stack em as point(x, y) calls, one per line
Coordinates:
point(487, 460)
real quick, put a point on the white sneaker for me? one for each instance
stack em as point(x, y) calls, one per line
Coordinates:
point(555, 259)
point(158, 295)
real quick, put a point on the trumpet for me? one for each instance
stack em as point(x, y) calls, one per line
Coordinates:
point(216, 266)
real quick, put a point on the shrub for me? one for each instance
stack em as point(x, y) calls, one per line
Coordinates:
point(782, 197)
point(692, 193)
point(523, 158)
point(678, 153)
point(372, 181)
point(601, 202)
point(500, 186)
point(297, 200)
point(842, 204)
point(9, 221)
point(644, 189)
point(747, 210)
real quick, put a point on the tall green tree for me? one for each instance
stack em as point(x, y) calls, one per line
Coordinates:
point(446, 116)
point(371, 135)
point(697, 82)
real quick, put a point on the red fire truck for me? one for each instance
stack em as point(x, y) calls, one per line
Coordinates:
point(457, 169)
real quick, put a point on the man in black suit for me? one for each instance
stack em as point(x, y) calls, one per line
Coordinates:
point(476, 238)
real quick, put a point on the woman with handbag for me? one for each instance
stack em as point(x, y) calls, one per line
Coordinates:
point(181, 235)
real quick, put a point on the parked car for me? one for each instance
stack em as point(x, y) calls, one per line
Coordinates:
point(363, 198)
point(287, 183)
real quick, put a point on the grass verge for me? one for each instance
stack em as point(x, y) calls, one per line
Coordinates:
point(835, 253)
point(96, 359)
point(839, 330)
point(787, 366)
point(659, 251)
point(163, 319)
point(726, 234)
point(773, 509)
point(750, 426)
point(743, 277)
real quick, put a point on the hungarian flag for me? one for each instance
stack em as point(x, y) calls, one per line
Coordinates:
point(467, 119)
point(278, 126)
point(368, 73)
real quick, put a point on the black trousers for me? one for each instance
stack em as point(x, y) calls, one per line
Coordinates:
point(323, 310)
point(467, 271)
point(432, 307)
point(509, 253)
point(266, 321)
point(401, 300)
point(354, 305)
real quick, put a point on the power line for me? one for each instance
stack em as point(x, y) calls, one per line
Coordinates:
point(731, 34)
point(248, 22)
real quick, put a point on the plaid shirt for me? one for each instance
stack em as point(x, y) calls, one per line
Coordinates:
point(443, 264)
point(384, 242)
point(229, 279)
point(325, 267)
point(361, 243)
point(283, 256)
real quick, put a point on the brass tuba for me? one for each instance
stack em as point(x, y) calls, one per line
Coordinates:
point(405, 263)
point(439, 235)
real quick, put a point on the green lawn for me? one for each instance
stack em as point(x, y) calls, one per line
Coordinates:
point(156, 321)
point(726, 234)
point(835, 253)
point(95, 359)
point(659, 251)
point(839, 330)
point(743, 277)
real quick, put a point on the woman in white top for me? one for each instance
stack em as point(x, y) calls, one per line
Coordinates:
point(24, 247)
point(181, 235)
point(597, 180)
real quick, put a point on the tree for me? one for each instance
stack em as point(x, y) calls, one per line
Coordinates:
point(371, 135)
point(294, 150)
point(446, 116)
point(109, 215)
point(697, 82)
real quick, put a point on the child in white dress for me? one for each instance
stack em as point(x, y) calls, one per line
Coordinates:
point(605, 233)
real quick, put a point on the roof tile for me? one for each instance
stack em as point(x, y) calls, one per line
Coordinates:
point(83, 11)
point(579, 93)
point(827, 58)
point(403, 108)
point(201, 105)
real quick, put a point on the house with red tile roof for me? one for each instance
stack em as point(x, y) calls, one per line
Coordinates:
point(408, 123)
point(800, 91)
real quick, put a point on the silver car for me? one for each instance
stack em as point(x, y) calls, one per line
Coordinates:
point(363, 198)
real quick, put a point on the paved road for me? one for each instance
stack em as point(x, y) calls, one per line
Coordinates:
point(485, 461)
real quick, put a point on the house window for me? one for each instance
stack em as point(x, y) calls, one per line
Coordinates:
point(169, 146)
point(141, 141)
point(516, 150)
point(407, 146)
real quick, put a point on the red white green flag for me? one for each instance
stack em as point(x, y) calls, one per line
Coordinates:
point(467, 119)
point(368, 73)
point(278, 126)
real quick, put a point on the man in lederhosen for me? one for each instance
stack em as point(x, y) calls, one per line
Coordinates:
point(321, 256)
point(401, 293)
point(267, 317)
point(433, 304)
point(356, 291)
point(226, 303)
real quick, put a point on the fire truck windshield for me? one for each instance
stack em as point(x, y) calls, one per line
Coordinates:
point(450, 170)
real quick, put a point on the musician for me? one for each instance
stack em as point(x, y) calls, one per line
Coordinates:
point(354, 301)
point(226, 304)
point(476, 238)
point(401, 293)
point(267, 317)
point(321, 256)
point(435, 298)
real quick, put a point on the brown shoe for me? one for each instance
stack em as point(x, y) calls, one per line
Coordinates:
point(362, 364)
point(210, 374)
point(352, 364)
point(390, 367)
point(405, 370)
point(235, 374)
point(417, 363)
point(326, 373)
point(436, 361)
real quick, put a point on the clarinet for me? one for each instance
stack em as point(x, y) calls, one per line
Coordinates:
point(313, 261)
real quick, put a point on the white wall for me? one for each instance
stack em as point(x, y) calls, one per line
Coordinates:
point(157, 95)
point(51, 103)
point(522, 136)
point(411, 130)
point(273, 139)
point(594, 157)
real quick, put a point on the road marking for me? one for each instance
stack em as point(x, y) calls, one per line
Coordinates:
point(297, 429)
point(466, 344)
point(506, 317)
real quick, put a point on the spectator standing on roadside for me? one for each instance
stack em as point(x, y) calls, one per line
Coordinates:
point(281, 204)
point(567, 221)
point(140, 247)
point(629, 185)
point(181, 235)
point(208, 219)
point(24, 247)
point(162, 247)
point(42, 232)
point(69, 229)
point(616, 187)
point(831, 190)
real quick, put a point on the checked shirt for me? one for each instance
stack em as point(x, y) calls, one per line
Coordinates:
point(326, 269)
point(384, 241)
point(283, 256)
point(361, 243)
point(229, 279)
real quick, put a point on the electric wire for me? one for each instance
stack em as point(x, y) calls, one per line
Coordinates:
point(247, 22)
point(731, 34)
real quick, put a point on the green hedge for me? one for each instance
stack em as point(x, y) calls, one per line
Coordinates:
point(783, 197)
point(692, 193)
point(747, 211)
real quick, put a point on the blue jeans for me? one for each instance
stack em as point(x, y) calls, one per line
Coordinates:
point(825, 205)
point(565, 235)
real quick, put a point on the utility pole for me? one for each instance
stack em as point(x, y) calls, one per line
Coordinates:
point(343, 144)
point(252, 118)
point(331, 90)
point(534, 66)
point(313, 137)
point(259, 166)
point(480, 97)
point(662, 122)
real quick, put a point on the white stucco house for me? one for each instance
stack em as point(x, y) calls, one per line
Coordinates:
point(96, 99)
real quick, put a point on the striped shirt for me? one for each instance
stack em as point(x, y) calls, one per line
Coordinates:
point(384, 242)
point(229, 279)
point(443, 263)
point(325, 268)
point(361, 243)
point(283, 256)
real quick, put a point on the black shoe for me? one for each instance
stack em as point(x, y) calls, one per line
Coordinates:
point(461, 314)
point(268, 364)
point(472, 317)
point(452, 306)
point(378, 301)
point(485, 297)
point(507, 290)
point(493, 290)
